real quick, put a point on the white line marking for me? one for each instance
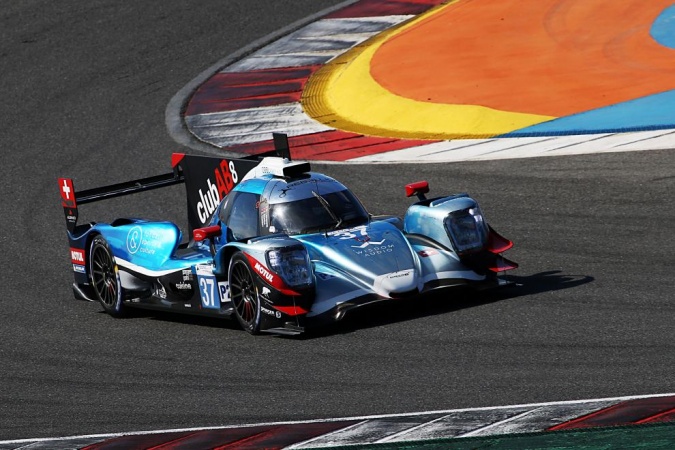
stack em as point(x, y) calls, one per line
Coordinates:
point(142, 270)
point(407, 432)
point(361, 418)
point(482, 431)
point(527, 147)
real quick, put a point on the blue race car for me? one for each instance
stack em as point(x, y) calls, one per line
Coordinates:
point(276, 246)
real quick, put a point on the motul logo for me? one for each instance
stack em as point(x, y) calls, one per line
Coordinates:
point(264, 272)
point(77, 256)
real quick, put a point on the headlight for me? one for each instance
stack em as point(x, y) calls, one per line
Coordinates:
point(292, 264)
point(467, 229)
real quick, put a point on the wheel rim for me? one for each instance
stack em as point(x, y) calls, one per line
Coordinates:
point(243, 293)
point(104, 276)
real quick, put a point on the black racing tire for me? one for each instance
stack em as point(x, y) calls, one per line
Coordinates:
point(244, 294)
point(105, 277)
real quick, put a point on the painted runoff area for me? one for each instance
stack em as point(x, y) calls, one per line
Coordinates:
point(434, 81)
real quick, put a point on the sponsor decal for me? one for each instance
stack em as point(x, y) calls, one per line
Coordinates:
point(183, 286)
point(301, 182)
point(367, 242)
point(267, 311)
point(187, 275)
point(266, 274)
point(143, 241)
point(204, 269)
point(263, 208)
point(350, 233)
point(399, 275)
point(359, 234)
point(226, 177)
point(78, 268)
point(134, 240)
point(224, 289)
point(270, 277)
point(77, 256)
point(375, 251)
point(213, 293)
point(208, 202)
point(427, 253)
point(367, 246)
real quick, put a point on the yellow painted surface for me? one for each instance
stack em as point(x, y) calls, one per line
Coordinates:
point(344, 95)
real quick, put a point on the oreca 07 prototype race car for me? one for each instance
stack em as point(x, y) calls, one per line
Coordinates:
point(275, 246)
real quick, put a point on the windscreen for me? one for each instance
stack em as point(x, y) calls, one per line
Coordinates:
point(317, 213)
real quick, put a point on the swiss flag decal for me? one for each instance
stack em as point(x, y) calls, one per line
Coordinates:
point(67, 193)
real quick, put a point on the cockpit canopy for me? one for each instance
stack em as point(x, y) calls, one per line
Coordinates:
point(308, 204)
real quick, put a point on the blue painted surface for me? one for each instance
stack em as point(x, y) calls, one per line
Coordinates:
point(254, 185)
point(663, 28)
point(654, 112)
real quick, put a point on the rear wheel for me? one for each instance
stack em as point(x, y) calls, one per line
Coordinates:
point(244, 294)
point(105, 278)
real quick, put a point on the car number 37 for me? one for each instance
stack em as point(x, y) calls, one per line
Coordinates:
point(212, 292)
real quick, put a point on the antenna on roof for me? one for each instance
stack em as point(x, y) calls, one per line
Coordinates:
point(281, 145)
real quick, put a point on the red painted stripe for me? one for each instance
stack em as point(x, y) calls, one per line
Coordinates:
point(141, 442)
point(624, 413)
point(257, 88)
point(295, 143)
point(665, 416)
point(498, 243)
point(226, 93)
point(272, 278)
point(365, 147)
point(291, 310)
point(263, 76)
point(502, 264)
point(208, 106)
point(376, 8)
point(176, 158)
point(334, 145)
point(285, 435)
point(263, 436)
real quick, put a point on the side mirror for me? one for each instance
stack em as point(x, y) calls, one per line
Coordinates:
point(419, 188)
point(201, 234)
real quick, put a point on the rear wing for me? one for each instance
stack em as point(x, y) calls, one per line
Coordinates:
point(207, 180)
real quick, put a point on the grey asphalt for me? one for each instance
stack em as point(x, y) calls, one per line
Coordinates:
point(84, 90)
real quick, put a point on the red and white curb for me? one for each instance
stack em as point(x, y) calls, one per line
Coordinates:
point(239, 107)
point(417, 427)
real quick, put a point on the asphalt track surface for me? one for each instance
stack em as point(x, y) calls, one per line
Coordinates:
point(84, 91)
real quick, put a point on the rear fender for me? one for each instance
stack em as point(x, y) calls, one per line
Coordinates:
point(146, 244)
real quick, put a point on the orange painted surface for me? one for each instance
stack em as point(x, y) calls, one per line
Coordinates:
point(548, 57)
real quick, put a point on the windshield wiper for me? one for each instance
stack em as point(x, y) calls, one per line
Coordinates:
point(326, 206)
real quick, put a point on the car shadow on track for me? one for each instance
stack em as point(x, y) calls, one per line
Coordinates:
point(394, 311)
point(436, 303)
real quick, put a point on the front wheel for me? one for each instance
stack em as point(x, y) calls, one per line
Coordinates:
point(244, 294)
point(105, 277)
